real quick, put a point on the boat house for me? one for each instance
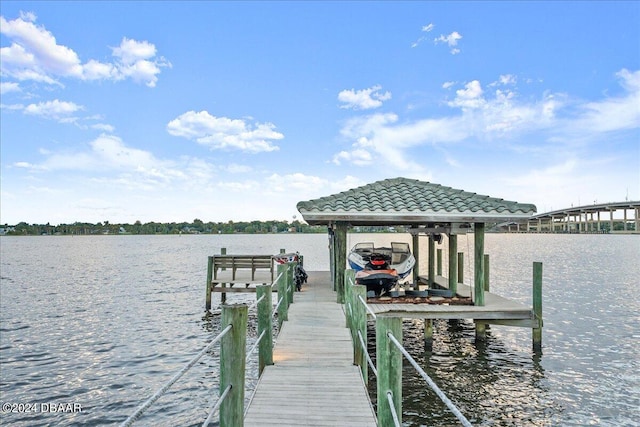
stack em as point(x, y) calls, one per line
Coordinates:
point(432, 210)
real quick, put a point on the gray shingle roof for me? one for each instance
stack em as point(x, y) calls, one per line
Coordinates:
point(408, 201)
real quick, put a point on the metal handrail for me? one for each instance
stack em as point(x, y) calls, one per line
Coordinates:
point(216, 406)
point(276, 279)
point(366, 306)
point(157, 395)
point(430, 382)
point(394, 414)
point(256, 302)
point(366, 353)
point(255, 345)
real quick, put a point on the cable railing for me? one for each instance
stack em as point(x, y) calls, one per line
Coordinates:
point(389, 352)
point(232, 339)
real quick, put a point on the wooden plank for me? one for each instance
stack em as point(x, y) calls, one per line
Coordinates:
point(313, 381)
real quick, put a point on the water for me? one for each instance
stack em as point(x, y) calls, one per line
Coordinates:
point(105, 321)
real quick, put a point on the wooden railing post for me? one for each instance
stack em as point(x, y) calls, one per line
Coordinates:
point(537, 306)
point(460, 267)
point(389, 361)
point(349, 281)
point(207, 305)
point(232, 364)
point(439, 262)
point(360, 325)
point(291, 266)
point(265, 308)
point(283, 308)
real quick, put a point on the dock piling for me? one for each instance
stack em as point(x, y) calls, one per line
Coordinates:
point(232, 364)
point(209, 278)
point(283, 307)
point(389, 361)
point(265, 325)
point(537, 306)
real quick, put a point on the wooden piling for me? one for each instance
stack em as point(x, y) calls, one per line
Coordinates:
point(341, 259)
point(283, 308)
point(360, 325)
point(265, 324)
point(460, 267)
point(232, 364)
point(428, 334)
point(486, 273)
point(478, 283)
point(537, 306)
point(415, 240)
point(432, 257)
point(349, 282)
point(389, 360)
point(207, 305)
point(291, 286)
point(481, 332)
point(453, 264)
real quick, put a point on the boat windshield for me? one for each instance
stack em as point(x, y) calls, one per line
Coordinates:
point(367, 246)
point(399, 247)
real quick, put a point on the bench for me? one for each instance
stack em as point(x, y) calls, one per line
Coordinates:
point(231, 270)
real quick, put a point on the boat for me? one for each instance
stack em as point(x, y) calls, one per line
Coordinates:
point(377, 276)
point(399, 256)
point(285, 258)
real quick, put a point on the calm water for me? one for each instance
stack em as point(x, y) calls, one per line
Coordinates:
point(105, 321)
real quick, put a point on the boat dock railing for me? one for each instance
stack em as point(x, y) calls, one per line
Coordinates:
point(233, 352)
point(389, 352)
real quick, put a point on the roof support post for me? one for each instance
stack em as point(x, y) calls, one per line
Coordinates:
point(432, 261)
point(340, 248)
point(453, 263)
point(479, 263)
point(332, 256)
point(416, 254)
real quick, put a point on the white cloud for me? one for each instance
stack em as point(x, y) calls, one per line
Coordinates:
point(451, 40)
point(425, 29)
point(236, 168)
point(469, 97)
point(9, 87)
point(34, 54)
point(484, 117)
point(103, 127)
point(364, 99)
point(56, 109)
point(507, 79)
point(613, 113)
point(224, 133)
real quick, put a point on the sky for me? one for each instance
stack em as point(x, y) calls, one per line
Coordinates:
point(235, 111)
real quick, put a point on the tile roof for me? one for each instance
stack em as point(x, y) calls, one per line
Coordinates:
point(408, 201)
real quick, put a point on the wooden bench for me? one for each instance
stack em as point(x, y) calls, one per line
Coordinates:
point(231, 270)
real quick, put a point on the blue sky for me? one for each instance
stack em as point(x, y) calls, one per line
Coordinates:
point(171, 111)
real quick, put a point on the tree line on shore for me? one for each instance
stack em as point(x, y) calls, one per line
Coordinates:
point(197, 226)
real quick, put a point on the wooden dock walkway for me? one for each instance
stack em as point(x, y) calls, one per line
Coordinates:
point(313, 381)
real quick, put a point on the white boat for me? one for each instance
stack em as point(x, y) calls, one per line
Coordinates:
point(400, 257)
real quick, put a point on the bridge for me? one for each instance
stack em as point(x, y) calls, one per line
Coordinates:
point(617, 217)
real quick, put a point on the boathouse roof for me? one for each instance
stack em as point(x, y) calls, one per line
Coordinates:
point(403, 201)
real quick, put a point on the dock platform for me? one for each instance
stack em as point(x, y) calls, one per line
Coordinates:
point(313, 381)
point(497, 309)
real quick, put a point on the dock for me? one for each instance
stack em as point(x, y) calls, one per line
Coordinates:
point(313, 381)
point(496, 310)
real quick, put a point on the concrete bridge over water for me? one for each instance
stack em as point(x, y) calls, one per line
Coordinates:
point(617, 217)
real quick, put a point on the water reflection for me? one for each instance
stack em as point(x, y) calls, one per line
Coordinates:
point(490, 383)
